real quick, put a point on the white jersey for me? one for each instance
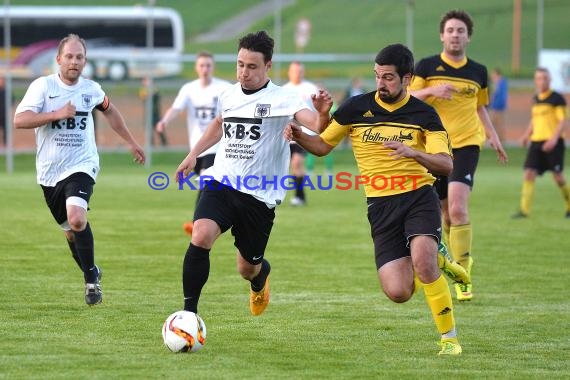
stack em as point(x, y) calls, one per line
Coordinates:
point(253, 156)
point(66, 146)
point(304, 89)
point(200, 104)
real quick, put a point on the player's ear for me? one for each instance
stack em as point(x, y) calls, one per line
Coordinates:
point(268, 65)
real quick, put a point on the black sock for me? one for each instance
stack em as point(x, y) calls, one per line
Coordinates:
point(299, 190)
point(86, 253)
point(74, 253)
point(195, 272)
point(259, 281)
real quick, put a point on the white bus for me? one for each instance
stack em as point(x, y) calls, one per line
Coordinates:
point(116, 39)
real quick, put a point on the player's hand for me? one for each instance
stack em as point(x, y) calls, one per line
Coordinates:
point(322, 101)
point(185, 167)
point(443, 91)
point(66, 111)
point(549, 145)
point(399, 149)
point(160, 126)
point(501, 154)
point(138, 154)
point(292, 132)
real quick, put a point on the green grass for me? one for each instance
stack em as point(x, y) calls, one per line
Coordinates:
point(328, 317)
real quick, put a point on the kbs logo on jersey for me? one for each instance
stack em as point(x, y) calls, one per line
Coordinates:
point(242, 128)
point(77, 122)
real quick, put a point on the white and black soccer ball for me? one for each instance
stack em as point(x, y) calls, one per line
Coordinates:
point(184, 331)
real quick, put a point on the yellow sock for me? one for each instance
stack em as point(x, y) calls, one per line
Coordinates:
point(417, 284)
point(445, 232)
point(565, 190)
point(438, 298)
point(527, 195)
point(460, 238)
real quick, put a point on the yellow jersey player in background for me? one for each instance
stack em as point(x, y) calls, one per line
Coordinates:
point(456, 87)
point(546, 135)
point(398, 141)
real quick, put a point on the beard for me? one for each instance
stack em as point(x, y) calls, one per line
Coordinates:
point(386, 97)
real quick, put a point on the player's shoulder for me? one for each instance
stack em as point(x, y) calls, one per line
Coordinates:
point(476, 65)
point(557, 98)
point(431, 60)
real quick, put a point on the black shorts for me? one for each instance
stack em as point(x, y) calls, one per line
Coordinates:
point(543, 161)
point(395, 219)
point(296, 148)
point(76, 185)
point(465, 160)
point(250, 219)
point(204, 162)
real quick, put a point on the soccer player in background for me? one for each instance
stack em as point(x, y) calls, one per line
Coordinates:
point(199, 98)
point(456, 86)
point(398, 141)
point(305, 89)
point(59, 108)
point(254, 115)
point(545, 132)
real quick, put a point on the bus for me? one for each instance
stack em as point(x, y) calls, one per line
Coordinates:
point(116, 39)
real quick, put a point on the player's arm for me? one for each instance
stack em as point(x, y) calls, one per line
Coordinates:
point(117, 123)
point(436, 163)
point(525, 138)
point(316, 121)
point(492, 134)
point(419, 89)
point(30, 119)
point(169, 115)
point(211, 136)
point(562, 120)
point(311, 143)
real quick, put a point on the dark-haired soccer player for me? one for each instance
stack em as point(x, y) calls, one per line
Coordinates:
point(398, 141)
point(456, 86)
point(546, 150)
point(254, 115)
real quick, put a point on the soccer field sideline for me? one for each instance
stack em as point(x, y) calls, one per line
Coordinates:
point(327, 319)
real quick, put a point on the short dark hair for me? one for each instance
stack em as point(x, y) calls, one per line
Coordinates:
point(398, 55)
point(259, 42)
point(458, 14)
point(204, 54)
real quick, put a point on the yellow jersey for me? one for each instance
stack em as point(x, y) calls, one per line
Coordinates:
point(369, 122)
point(548, 110)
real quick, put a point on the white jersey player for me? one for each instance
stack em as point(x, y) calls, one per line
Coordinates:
point(255, 113)
point(59, 108)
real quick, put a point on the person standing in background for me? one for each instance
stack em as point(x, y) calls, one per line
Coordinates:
point(499, 101)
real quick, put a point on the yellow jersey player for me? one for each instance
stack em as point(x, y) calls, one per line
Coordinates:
point(456, 86)
point(398, 141)
point(546, 149)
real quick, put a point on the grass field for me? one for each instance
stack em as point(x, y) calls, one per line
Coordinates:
point(327, 319)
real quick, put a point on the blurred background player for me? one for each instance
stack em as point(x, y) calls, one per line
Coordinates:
point(305, 88)
point(199, 99)
point(498, 103)
point(58, 107)
point(456, 86)
point(545, 132)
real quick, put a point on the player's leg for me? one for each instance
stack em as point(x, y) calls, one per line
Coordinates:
point(556, 164)
point(210, 221)
point(252, 228)
point(534, 165)
point(423, 252)
point(298, 171)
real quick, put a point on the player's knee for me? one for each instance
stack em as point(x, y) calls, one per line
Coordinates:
point(399, 295)
point(77, 222)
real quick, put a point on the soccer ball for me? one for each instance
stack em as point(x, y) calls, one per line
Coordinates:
point(184, 331)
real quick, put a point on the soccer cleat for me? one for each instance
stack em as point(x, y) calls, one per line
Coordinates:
point(453, 270)
point(449, 346)
point(519, 215)
point(464, 292)
point(258, 301)
point(296, 202)
point(93, 292)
